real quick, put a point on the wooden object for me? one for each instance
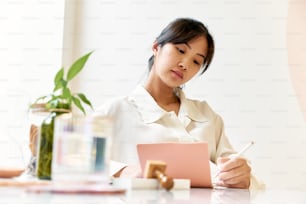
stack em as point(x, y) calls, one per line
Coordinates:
point(156, 169)
point(10, 172)
point(22, 183)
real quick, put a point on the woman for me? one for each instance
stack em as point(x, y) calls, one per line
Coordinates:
point(158, 111)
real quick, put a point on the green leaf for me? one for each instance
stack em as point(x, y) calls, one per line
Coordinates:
point(77, 66)
point(84, 99)
point(60, 84)
point(61, 92)
point(59, 76)
point(52, 103)
point(77, 102)
point(66, 93)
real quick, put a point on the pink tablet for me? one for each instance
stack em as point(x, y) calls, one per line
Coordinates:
point(184, 160)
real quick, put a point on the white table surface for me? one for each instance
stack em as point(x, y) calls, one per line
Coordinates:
point(195, 195)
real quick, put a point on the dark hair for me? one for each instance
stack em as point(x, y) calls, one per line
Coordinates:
point(182, 30)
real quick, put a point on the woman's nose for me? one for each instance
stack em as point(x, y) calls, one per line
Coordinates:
point(183, 65)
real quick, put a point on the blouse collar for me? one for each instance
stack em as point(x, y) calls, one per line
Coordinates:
point(151, 112)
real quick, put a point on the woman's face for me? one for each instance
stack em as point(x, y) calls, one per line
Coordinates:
point(176, 64)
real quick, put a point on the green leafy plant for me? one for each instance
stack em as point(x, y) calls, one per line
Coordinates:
point(61, 96)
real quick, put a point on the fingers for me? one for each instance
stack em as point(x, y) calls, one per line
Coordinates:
point(226, 164)
point(243, 184)
point(235, 173)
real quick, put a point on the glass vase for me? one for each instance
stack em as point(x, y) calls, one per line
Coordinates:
point(45, 144)
point(37, 113)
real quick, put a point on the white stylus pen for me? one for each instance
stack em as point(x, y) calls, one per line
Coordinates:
point(243, 150)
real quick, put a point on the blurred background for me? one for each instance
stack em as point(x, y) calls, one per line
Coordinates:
point(257, 80)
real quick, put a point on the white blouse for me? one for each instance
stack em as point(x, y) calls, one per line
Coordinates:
point(137, 118)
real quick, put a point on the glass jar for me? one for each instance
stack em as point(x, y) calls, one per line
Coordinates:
point(36, 114)
point(45, 144)
point(81, 148)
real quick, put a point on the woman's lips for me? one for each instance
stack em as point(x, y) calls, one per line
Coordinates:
point(178, 74)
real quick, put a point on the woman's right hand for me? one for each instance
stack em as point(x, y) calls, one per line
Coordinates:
point(233, 173)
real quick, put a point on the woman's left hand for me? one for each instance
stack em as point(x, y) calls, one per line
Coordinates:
point(233, 173)
point(130, 171)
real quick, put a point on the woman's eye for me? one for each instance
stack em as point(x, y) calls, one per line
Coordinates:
point(196, 62)
point(181, 51)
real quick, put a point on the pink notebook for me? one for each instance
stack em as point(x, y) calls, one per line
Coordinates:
point(184, 160)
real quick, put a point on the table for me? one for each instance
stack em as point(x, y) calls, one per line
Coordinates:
point(16, 195)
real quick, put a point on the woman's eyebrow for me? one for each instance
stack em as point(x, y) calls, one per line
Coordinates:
point(197, 53)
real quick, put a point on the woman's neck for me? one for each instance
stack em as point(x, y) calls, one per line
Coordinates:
point(161, 93)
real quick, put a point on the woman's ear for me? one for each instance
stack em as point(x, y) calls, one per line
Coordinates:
point(155, 47)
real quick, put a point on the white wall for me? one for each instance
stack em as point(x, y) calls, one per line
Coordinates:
point(30, 53)
point(256, 82)
point(249, 82)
